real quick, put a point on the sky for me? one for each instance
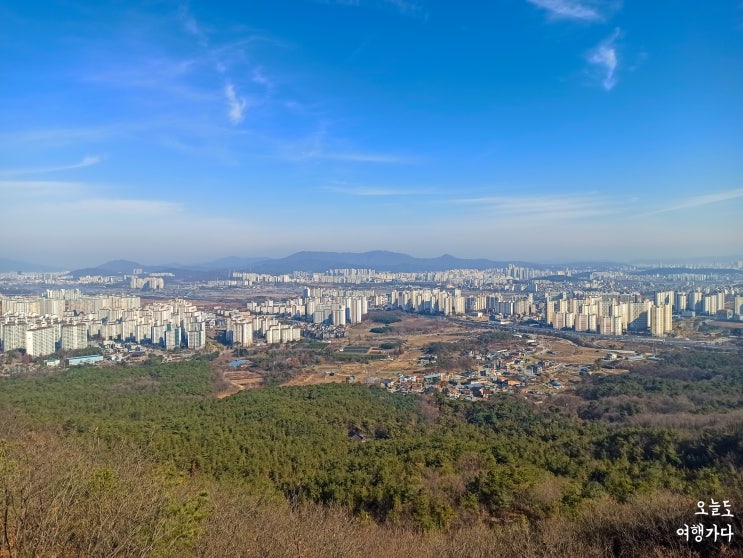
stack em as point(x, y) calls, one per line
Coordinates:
point(538, 130)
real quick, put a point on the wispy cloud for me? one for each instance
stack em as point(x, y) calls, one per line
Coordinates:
point(340, 2)
point(545, 207)
point(114, 206)
point(87, 161)
point(360, 157)
point(291, 153)
point(406, 7)
point(236, 104)
point(319, 146)
point(192, 26)
point(698, 201)
point(171, 76)
point(259, 77)
point(37, 186)
point(570, 9)
point(61, 136)
point(40, 199)
point(366, 191)
point(604, 57)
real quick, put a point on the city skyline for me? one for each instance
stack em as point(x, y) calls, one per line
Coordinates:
point(531, 130)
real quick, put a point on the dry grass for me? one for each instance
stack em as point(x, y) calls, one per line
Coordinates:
point(644, 528)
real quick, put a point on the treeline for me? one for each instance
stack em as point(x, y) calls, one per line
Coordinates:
point(679, 383)
point(75, 497)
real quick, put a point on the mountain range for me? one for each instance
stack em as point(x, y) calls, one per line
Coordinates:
point(7, 265)
point(310, 262)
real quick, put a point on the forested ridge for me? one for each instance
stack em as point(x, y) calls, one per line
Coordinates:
point(618, 466)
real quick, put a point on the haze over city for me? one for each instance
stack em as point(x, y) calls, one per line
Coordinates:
point(538, 130)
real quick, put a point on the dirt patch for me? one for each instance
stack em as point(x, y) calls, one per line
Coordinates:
point(232, 379)
point(564, 351)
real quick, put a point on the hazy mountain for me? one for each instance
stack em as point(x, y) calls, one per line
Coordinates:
point(380, 260)
point(230, 262)
point(311, 262)
point(8, 265)
point(690, 270)
point(114, 267)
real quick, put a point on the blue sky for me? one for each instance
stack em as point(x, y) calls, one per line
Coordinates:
point(544, 130)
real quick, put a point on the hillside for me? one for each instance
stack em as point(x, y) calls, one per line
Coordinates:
point(357, 461)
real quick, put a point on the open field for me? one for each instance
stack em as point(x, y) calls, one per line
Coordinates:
point(409, 337)
point(564, 351)
point(413, 332)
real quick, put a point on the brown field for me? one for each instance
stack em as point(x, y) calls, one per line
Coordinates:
point(233, 380)
point(414, 331)
point(567, 352)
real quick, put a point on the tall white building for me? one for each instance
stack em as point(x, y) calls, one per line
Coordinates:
point(196, 336)
point(13, 335)
point(656, 321)
point(41, 341)
point(738, 305)
point(339, 316)
point(74, 336)
point(681, 301)
point(240, 330)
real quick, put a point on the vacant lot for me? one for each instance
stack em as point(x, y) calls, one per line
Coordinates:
point(399, 350)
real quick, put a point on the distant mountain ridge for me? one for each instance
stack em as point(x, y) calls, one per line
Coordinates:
point(7, 265)
point(380, 260)
point(310, 262)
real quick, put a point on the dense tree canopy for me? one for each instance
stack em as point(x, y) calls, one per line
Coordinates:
point(427, 462)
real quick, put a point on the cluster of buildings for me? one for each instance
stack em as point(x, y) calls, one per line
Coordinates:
point(68, 320)
point(323, 308)
point(319, 306)
point(148, 283)
point(441, 301)
point(242, 328)
point(358, 276)
point(503, 370)
point(615, 314)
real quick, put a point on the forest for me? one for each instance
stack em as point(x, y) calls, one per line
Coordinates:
point(146, 461)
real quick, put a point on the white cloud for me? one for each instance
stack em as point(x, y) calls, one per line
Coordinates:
point(316, 146)
point(605, 58)
point(36, 186)
point(366, 191)
point(36, 200)
point(358, 157)
point(87, 161)
point(259, 77)
point(569, 9)
point(236, 104)
point(543, 207)
point(697, 201)
point(118, 207)
point(405, 6)
point(192, 26)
